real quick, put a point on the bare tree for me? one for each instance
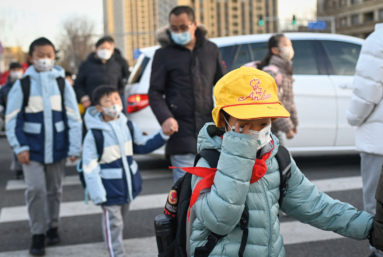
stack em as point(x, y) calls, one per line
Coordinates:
point(76, 41)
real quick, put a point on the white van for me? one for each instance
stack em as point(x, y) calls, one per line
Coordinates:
point(324, 66)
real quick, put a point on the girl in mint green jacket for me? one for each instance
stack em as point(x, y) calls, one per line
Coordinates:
point(248, 175)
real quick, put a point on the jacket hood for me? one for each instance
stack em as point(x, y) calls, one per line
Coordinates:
point(210, 138)
point(94, 120)
point(56, 72)
point(163, 36)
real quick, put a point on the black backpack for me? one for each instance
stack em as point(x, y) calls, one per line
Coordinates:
point(184, 190)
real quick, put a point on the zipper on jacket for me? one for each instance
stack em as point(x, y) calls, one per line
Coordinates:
point(269, 214)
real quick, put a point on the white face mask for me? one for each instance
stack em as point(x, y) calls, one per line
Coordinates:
point(113, 111)
point(287, 53)
point(15, 75)
point(263, 136)
point(104, 54)
point(45, 64)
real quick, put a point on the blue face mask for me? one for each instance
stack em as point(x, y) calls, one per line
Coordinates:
point(182, 39)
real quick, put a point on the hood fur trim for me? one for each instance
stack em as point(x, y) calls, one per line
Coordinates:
point(162, 37)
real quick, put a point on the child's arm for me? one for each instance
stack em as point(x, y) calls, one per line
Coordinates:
point(221, 209)
point(74, 121)
point(147, 144)
point(307, 204)
point(92, 170)
point(14, 120)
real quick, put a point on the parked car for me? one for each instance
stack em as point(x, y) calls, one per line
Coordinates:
point(324, 65)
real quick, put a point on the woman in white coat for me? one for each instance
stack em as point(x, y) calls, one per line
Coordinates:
point(366, 113)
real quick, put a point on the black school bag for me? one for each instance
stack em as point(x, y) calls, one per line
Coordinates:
point(184, 190)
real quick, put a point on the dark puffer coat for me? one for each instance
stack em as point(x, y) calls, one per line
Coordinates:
point(93, 73)
point(186, 79)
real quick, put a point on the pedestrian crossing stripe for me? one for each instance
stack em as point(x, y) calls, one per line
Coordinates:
point(74, 179)
point(154, 201)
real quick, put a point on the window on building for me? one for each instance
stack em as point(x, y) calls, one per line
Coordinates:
point(243, 56)
point(235, 24)
point(343, 56)
point(354, 1)
point(235, 16)
point(304, 59)
point(381, 14)
point(343, 22)
point(355, 19)
point(234, 8)
point(341, 3)
point(368, 17)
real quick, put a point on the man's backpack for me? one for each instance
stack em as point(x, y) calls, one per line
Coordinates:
point(26, 88)
point(99, 140)
point(177, 248)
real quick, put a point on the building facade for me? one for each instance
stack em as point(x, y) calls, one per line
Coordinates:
point(133, 23)
point(353, 17)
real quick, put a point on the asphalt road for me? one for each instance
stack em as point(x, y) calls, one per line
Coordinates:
point(80, 228)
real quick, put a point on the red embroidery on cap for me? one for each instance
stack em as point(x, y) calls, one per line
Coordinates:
point(257, 94)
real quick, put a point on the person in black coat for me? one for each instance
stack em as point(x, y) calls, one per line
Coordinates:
point(105, 66)
point(184, 70)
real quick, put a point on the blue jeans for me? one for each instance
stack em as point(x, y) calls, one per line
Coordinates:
point(181, 160)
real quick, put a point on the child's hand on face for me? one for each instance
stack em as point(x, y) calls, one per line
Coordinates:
point(245, 129)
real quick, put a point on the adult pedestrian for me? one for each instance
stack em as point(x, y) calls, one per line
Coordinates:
point(102, 67)
point(16, 72)
point(184, 71)
point(280, 53)
point(366, 113)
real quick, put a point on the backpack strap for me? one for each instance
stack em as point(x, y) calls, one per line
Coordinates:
point(284, 161)
point(26, 88)
point(210, 155)
point(99, 139)
point(244, 222)
point(212, 241)
point(213, 238)
point(61, 84)
point(131, 129)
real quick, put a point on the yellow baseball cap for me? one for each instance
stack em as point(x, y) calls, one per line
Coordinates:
point(248, 93)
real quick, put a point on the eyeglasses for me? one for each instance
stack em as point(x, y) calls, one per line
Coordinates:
point(182, 28)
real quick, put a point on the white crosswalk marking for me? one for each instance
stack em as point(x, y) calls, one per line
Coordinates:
point(142, 247)
point(74, 179)
point(18, 213)
point(78, 208)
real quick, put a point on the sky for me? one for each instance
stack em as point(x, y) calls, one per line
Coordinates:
point(22, 21)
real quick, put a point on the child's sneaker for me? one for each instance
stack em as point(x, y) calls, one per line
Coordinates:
point(38, 245)
point(53, 236)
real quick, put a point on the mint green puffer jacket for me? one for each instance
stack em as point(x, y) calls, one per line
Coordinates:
point(219, 209)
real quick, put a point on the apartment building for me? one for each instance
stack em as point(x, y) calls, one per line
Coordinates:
point(133, 22)
point(353, 17)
